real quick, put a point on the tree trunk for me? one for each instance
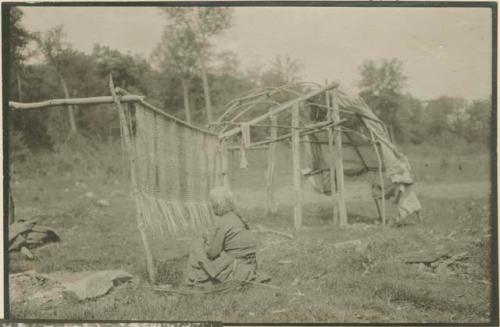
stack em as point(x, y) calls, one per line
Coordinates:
point(185, 93)
point(206, 89)
point(12, 215)
point(19, 89)
point(70, 108)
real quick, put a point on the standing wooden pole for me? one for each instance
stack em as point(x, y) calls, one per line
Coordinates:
point(333, 184)
point(225, 168)
point(297, 212)
point(219, 176)
point(132, 157)
point(271, 205)
point(380, 175)
point(339, 164)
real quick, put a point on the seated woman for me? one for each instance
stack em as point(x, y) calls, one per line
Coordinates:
point(229, 253)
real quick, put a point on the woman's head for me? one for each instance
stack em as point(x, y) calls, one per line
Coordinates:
point(222, 200)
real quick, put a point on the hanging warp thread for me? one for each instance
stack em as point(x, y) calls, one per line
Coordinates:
point(175, 167)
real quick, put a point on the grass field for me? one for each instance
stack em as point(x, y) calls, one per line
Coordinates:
point(317, 281)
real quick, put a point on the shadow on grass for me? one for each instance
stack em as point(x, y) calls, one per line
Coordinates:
point(355, 218)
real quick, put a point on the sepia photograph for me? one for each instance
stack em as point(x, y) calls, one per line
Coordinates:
point(250, 163)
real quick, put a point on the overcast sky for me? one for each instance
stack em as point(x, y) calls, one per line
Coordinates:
point(444, 51)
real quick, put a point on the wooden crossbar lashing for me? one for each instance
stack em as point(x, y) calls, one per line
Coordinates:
point(279, 108)
point(303, 132)
point(296, 134)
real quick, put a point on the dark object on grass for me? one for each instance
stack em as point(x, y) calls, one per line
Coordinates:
point(436, 261)
point(29, 234)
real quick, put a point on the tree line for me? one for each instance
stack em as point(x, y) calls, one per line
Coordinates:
point(442, 121)
point(188, 77)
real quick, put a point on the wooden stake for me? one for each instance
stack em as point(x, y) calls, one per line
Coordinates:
point(333, 185)
point(339, 165)
point(308, 157)
point(219, 164)
point(132, 157)
point(380, 175)
point(225, 168)
point(297, 213)
point(271, 205)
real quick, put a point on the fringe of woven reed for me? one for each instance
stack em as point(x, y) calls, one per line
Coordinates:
point(174, 217)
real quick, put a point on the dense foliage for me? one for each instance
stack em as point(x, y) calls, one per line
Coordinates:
point(440, 121)
point(186, 74)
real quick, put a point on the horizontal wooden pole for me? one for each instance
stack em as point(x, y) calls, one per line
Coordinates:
point(260, 125)
point(313, 129)
point(278, 109)
point(237, 148)
point(263, 147)
point(360, 145)
point(170, 117)
point(72, 101)
point(149, 106)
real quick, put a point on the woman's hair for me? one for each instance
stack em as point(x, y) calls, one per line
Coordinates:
point(222, 200)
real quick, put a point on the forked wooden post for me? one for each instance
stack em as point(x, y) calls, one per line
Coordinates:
point(271, 204)
point(380, 176)
point(333, 185)
point(339, 164)
point(297, 212)
point(132, 157)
